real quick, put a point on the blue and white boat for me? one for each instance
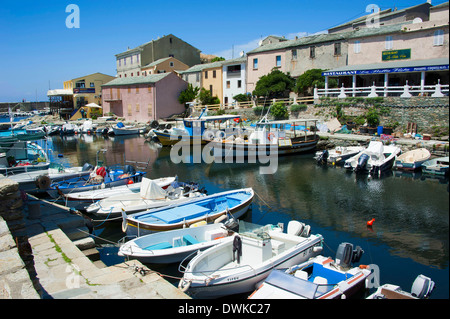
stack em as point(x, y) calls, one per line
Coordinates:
point(195, 130)
point(318, 278)
point(100, 178)
point(208, 209)
point(22, 156)
point(174, 245)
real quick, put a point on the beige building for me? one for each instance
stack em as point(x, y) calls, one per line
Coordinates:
point(164, 65)
point(212, 80)
point(131, 62)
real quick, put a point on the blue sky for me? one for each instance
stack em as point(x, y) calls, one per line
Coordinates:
point(37, 50)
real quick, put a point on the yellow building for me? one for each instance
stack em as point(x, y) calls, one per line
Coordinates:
point(212, 80)
point(87, 89)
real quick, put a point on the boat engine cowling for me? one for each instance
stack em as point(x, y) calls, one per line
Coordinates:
point(322, 158)
point(422, 287)
point(346, 255)
point(362, 162)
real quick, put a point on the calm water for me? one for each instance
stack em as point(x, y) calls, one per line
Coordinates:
point(410, 235)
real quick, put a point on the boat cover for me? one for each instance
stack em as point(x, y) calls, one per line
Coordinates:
point(151, 190)
point(375, 148)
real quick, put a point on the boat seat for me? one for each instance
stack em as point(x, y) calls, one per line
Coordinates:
point(322, 282)
point(163, 245)
point(190, 240)
point(301, 274)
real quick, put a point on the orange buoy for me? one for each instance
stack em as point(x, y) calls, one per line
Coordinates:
point(370, 222)
point(130, 182)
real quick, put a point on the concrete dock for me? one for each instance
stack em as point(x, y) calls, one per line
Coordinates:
point(46, 253)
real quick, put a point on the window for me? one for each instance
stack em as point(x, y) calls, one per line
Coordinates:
point(124, 61)
point(137, 73)
point(389, 43)
point(438, 37)
point(255, 64)
point(337, 49)
point(92, 85)
point(137, 107)
point(228, 84)
point(206, 74)
point(137, 89)
point(294, 54)
point(239, 85)
point(137, 58)
point(129, 89)
point(278, 60)
point(357, 47)
point(211, 89)
point(312, 52)
point(214, 74)
point(171, 64)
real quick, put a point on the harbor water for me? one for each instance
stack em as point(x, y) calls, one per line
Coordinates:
point(410, 235)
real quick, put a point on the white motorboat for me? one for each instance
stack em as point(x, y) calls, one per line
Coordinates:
point(86, 198)
point(436, 166)
point(412, 160)
point(205, 208)
point(121, 129)
point(318, 278)
point(421, 289)
point(174, 245)
point(337, 155)
point(375, 159)
point(149, 196)
point(241, 262)
point(68, 129)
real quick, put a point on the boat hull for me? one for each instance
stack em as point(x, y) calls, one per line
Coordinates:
point(246, 278)
point(135, 227)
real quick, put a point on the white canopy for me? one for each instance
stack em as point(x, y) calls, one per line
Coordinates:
point(151, 190)
point(93, 105)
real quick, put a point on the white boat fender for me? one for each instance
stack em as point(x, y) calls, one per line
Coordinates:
point(184, 285)
point(124, 221)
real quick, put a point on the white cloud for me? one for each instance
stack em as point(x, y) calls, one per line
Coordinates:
point(234, 51)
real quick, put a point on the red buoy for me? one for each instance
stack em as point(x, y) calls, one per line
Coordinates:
point(370, 222)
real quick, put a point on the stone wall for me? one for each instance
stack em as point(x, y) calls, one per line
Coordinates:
point(16, 257)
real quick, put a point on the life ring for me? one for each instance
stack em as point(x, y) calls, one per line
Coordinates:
point(220, 135)
point(270, 134)
point(43, 182)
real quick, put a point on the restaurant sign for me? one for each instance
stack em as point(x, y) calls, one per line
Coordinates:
point(396, 55)
point(83, 90)
point(387, 70)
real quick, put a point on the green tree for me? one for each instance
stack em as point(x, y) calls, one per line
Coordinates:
point(188, 95)
point(308, 80)
point(217, 58)
point(279, 111)
point(274, 85)
point(206, 98)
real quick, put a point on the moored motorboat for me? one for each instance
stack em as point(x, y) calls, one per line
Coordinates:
point(238, 264)
point(83, 199)
point(337, 155)
point(318, 278)
point(436, 166)
point(100, 178)
point(22, 156)
point(174, 245)
point(374, 160)
point(422, 288)
point(148, 196)
point(207, 208)
point(412, 160)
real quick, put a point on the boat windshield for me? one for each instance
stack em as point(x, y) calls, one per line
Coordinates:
point(255, 231)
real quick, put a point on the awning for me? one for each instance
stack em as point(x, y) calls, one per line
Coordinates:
point(59, 92)
point(440, 64)
point(93, 105)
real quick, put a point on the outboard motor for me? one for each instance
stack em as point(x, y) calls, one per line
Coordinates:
point(129, 169)
point(87, 167)
point(232, 225)
point(422, 287)
point(322, 159)
point(345, 255)
point(362, 162)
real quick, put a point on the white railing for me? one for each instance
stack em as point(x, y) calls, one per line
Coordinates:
point(405, 91)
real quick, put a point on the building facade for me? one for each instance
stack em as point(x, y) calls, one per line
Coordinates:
point(144, 98)
point(130, 62)
point(164, 65)
point(234, 79)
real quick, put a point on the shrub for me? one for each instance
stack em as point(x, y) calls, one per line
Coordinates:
point(279, 111)
point(372, 117)
point(298, 107)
